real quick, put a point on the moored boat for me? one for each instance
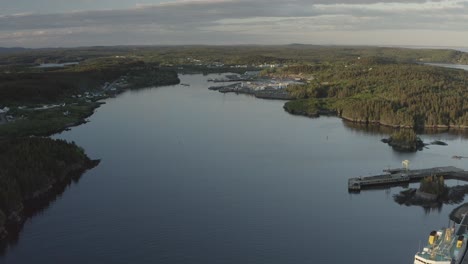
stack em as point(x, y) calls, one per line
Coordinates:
point(445, 246)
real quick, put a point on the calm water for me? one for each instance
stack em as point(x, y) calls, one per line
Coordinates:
point(194, 176)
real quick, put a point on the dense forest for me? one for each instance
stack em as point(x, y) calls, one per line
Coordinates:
point(31, 168)
point(374, 90)
point(35, 85)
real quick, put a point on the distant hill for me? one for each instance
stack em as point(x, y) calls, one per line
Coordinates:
point(11, 50)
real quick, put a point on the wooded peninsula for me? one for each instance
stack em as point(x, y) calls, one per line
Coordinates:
point(376, 91)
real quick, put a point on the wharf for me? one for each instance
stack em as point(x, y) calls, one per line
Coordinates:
point(403, 176)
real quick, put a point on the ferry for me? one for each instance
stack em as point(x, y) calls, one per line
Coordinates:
point(445, 246)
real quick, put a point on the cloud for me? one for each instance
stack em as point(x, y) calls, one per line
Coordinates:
point(240, 21)
point(418, 7)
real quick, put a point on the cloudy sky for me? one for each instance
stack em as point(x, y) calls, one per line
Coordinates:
point(68, 23)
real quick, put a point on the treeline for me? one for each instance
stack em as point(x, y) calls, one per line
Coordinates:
point(152, 76)
point(405, 136)
point(32, 85)
point(248, 55)
point(389, 93)
point(405, 140)
point(60, 55)
point(433, 185)
point(138, 72)
point(31, 167)
point(37, 87)
point(293, 54)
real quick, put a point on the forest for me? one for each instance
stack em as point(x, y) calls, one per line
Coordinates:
point(19, 84)
point(382, 91)
point(382, 85)
point(31, 168)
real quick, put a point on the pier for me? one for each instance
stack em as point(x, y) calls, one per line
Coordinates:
point(405, 176)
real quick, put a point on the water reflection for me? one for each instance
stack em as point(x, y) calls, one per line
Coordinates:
point(364, 129)
point(35, 173)
point(36, 207)
point(193, 176)
point(384, 131)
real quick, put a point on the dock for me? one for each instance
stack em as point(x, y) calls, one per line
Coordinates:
point(405, 176)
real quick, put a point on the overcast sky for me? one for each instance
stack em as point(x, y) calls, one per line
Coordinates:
point(68, 23)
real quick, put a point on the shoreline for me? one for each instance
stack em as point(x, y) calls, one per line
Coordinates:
point(370, 122)
point(11, 225)
point(271, 94)
point(40, 199)
point(274, 95)
point(19, 128)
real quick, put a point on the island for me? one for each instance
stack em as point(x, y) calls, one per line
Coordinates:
point(405, 140)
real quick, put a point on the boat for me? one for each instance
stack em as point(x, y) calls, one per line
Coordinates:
point(445, 246)
point(185, 84)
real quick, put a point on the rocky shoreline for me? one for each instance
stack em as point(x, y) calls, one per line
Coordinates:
point(328, 112)
point(412, 146)
point(318, 112)
point(377, 122)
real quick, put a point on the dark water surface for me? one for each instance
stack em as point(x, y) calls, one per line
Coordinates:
point(194, 176)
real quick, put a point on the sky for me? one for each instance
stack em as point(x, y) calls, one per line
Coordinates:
point(72, 23)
